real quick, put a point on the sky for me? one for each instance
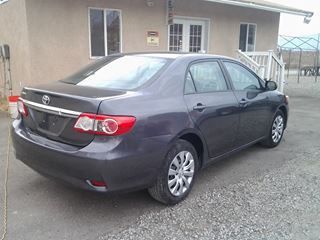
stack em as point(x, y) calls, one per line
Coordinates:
point(292, 25)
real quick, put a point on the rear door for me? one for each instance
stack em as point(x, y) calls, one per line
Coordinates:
point(253, 100)
point(212, 105)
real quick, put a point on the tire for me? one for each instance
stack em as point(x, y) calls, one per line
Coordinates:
point(277, 126)
point(180, 181)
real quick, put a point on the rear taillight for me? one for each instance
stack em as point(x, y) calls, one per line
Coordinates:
point(22, 108)
point(97, 183)
point(104, 125)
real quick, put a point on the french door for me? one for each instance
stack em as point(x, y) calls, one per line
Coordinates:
point(187, 35)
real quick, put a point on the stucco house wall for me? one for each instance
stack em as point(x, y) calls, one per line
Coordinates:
point(14, 31)
point(54, 38)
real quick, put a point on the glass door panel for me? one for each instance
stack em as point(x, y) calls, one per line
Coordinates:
point(176, 37)
point(195, 38)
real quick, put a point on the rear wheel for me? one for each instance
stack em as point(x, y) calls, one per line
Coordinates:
point(176, 178)
point(276, 131)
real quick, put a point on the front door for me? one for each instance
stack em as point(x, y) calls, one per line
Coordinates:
point(256, 110)
point(187, 35)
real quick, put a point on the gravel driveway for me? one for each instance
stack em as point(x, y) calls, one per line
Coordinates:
point(282, 204)
point(256, 194)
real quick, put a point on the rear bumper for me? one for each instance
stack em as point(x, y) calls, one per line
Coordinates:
point(122, 164)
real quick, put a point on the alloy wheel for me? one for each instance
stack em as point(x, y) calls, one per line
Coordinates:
point(181, 172)
point(277, 129)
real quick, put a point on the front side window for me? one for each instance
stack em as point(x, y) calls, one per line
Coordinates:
point(247, 37)
point(207, 77)
point(105, 32)
point(125, 73)
point(241, 78)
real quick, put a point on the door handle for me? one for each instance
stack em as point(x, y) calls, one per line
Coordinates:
point(243, 103)
point(200, 107)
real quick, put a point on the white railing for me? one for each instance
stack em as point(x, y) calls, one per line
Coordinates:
point(266, 64)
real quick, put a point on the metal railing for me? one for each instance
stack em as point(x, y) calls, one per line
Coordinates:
point(267, 65)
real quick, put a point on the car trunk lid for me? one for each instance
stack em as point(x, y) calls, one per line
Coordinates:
point(53, 110)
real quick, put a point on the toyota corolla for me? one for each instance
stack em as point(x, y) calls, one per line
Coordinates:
point(146, 121)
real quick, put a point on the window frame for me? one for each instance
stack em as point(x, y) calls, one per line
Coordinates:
point(105, 30)
point(261, 82)
point(225, 77)
point(247, 38)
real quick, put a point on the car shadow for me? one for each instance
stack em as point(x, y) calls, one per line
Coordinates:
point(115, 212)
point(244, 164)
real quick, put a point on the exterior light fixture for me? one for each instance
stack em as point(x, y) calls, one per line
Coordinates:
point(150, 3)
point(307, 19)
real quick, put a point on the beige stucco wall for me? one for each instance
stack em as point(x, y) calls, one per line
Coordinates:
point(225, 24)
point(14, 32)
point(58, 32)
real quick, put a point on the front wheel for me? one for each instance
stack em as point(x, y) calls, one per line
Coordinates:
point(176, 178)
point(276, 131)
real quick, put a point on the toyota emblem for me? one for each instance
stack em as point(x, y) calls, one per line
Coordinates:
point(46, 99)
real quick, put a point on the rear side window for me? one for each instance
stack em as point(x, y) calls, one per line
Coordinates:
point(125, 73)
point(241, 78)
point(189, 85)
point(207, 77)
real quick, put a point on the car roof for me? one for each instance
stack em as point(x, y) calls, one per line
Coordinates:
point(180, 55)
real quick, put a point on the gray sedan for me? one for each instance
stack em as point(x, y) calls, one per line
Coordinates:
point(146, 121)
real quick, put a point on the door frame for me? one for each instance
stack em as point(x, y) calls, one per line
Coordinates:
point(206, 33)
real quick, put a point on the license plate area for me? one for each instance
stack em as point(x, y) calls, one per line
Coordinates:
point(50, 122)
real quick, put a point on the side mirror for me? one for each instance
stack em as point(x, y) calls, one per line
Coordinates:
point(271, 86)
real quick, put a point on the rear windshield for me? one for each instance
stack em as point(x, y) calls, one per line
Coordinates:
point(125, 72)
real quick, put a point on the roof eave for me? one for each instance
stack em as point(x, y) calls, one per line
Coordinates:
point(298, 12)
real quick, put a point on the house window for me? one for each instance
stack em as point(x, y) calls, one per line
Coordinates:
point(105, 32)
point(247, 39)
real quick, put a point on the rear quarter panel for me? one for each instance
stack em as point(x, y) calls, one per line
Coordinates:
point(160, 111)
